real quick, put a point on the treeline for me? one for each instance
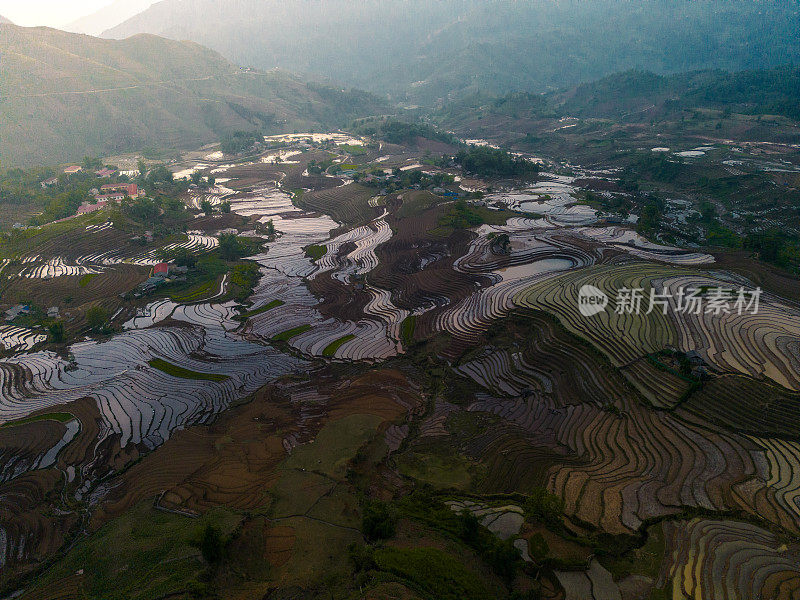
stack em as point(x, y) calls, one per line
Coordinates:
point(483, 161)
point(756, 92)
point(625, 94)
point(401, 132)
point(240, 141)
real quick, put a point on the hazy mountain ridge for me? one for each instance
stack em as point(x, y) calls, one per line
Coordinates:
point(3, 20)
point(108, 16)
point(434, 49)
point(65, 95)
point(639, 96)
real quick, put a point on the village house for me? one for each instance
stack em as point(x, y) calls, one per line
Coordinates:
point(86, 207)
point(161, 270)
point(118, 191)
point(49, 182)
point(73, 169)
point(15, 311)
point(105, 173)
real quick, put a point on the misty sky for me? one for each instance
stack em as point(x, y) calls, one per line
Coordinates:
point(53, 13)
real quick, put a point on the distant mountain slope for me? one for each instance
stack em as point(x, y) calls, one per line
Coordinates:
point(108, 16)
point(765, 91)
point(640, 96)
point(427, 50)
point(3, 20)
point(65, 95)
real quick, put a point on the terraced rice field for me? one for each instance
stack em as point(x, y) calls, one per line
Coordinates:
point(576, 405)
point(19, 338)
point(713, 559)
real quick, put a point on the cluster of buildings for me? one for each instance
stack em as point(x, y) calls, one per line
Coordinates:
point(111, 192)
point(162, 273)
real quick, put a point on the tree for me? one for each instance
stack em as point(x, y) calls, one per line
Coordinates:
point(379, 521)
point(195, 177)
point(270, 228)
point(90, 163)
point(96, 317)
point(57, 332)
point(142, 167)
point(225, 207)
point(502, 243)
point(211, 545)
point(212, 181)
point(207, 207)
point(538, 548)
point(544, 507)
point(229, 247)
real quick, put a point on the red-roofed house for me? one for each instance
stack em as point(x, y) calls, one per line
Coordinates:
point(118, 191)
point(105, 173)
point(161, 270)
point(72, 170)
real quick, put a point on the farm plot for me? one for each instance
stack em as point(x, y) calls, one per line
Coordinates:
point(263, 201)
point(55, 267)
point(347, 204)
point(766, 344)
point(596, 583)
point(746, 405)
point(33, 445)
point(623, 337)
point(554, 200)
point(139, 402)
point(615, 469)
point(19, 338)
point(711, 559)
point(363, 259)
point(196, 242)
point(631, 242)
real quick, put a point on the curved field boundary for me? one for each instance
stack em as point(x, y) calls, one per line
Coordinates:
point(19, 338)
point(623, 337)
point(708, 559)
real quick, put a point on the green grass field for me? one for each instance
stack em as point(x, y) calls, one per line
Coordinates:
point(331, 349)
point(289, 334)
point(263, 309)
point(141, 555)
point(176, 371)
point(60, 417)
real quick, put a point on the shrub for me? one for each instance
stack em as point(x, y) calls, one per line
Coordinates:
point(379, 521)
point(544, 507)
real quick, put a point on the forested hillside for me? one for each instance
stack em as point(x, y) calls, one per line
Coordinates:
point(65, 96)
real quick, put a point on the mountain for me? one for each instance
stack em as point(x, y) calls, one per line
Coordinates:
point(630, 97)
point(4, 21)
point(422, 51)
point(637, 95)
point(108, 16)
point(64, 96)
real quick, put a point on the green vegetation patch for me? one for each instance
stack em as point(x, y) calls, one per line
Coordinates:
point(182, 373)
point(197, 292)
point(440, 469)
point(335, 444)
point(316, 251)
point(60, 417)
point(144, 554)
point(407, 330)
point(262, 309)
point(432, 572)
point(332, 348)
point(290, 333)
point(86, 279)
point(463, 215)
